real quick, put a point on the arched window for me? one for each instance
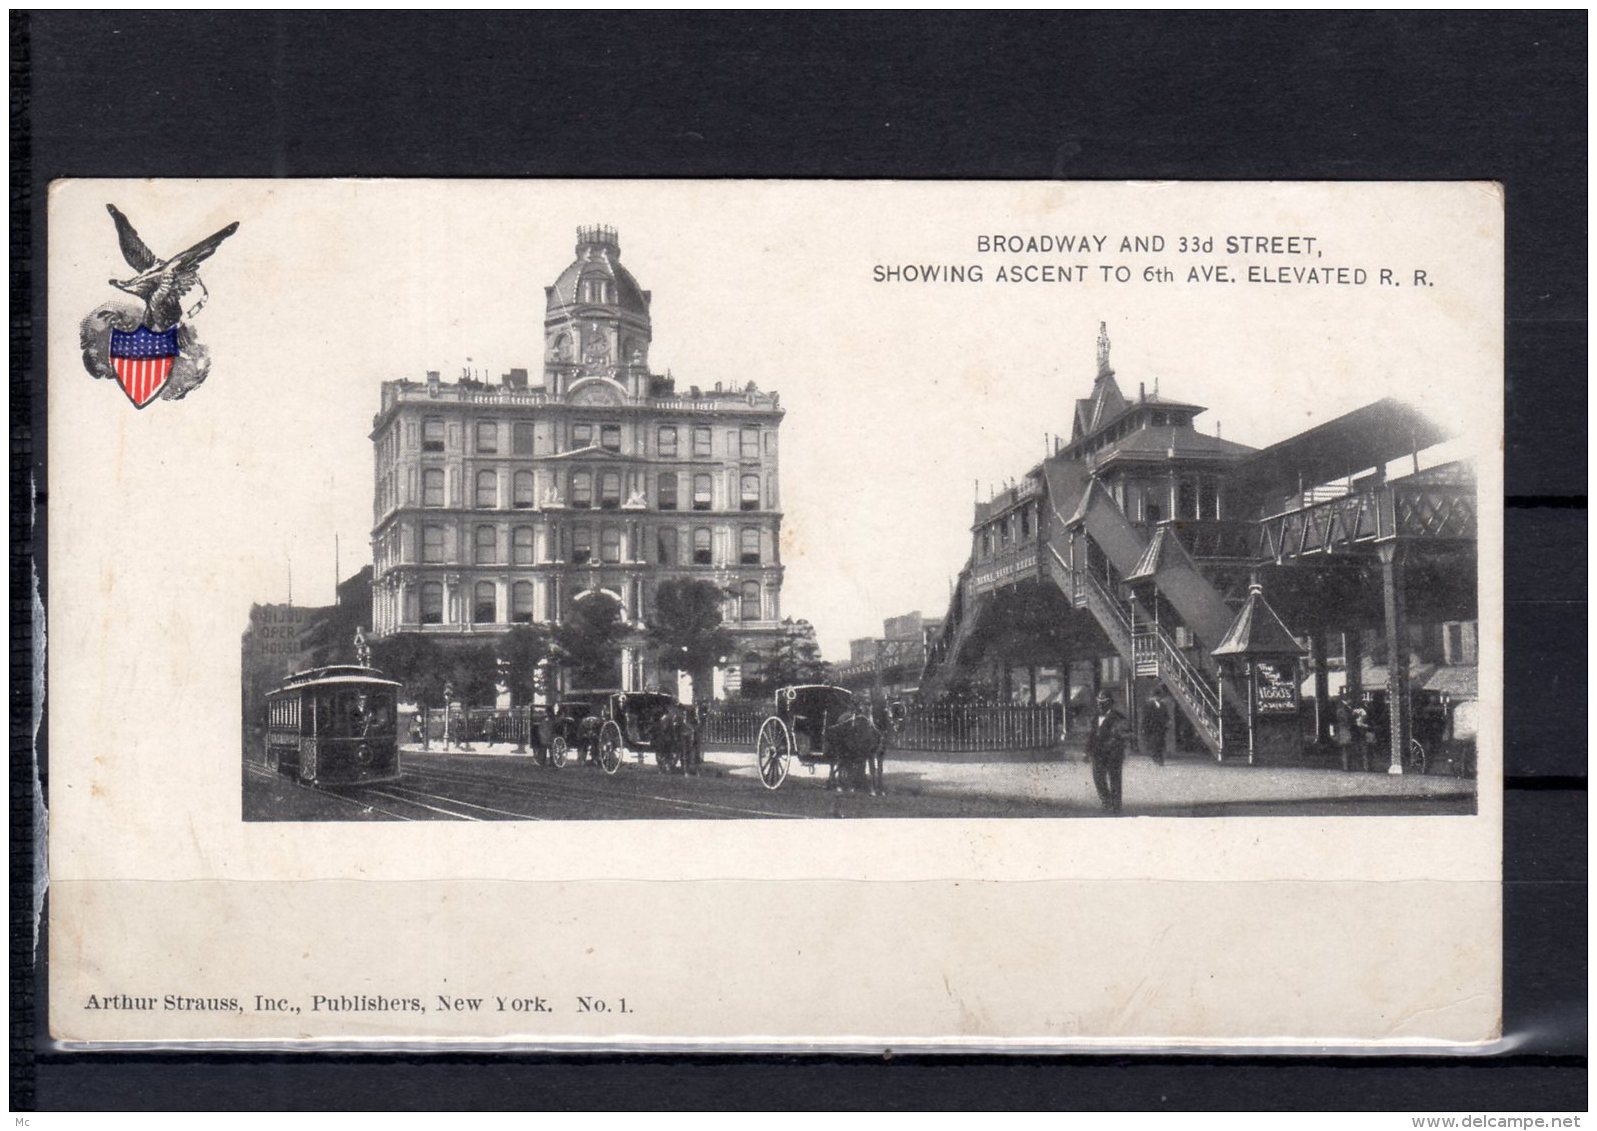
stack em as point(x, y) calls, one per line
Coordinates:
point(610, 490)
point(701, 545)
point(486, 550)
point(666, 545)
point(521, 603)
point(610, 544)
point(581, 544)
point(484, 604)
point(487, 489)
point(432, 603)
point(582, 489)
point(701, 492)
point(750, 604)
point(525, 496)
point(668, 490)
point(432, 544)
point(749, 545)
point(432, 487)
point(521, 545)
point(751, 493)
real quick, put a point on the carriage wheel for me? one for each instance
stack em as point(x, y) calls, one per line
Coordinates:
point(610, 747)
point(557, 752)
point(1416, 756)
point(775, 748)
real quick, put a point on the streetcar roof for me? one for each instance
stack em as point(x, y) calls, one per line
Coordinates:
point(334, 675)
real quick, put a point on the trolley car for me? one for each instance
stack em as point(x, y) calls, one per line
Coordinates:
point(336, 725)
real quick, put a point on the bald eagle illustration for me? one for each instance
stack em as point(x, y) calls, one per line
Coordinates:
point(161, 283)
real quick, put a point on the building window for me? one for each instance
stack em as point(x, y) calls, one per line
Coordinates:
point(432, 434)
point(432, 487)
point(610, 544)
point(432, 544)
point(581, 544)
point(750, 605)
point(749, 546)
point(751, 443)
point(701, 492)
point(432, 603)
point(668, 490)
point(1460, 642)
point(521, 439)
point(582, 489)
point(581, 435)
point(521, 603)
point(484, 605)
point(485, 545)
point(668, 442)
point(610, 437)
point(487, 489)
point(1025, 522)
point(665, 544)
point(1186, 500)
point(750, 500)
point(610, 490)
point(487, 437)
point(521, 543)
point(701, 545)
point(524, 494)
point(701, 443)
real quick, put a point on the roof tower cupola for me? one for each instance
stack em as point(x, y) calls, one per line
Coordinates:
point(596, 323)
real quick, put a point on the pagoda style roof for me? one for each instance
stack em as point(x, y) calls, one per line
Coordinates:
point(1171, 441)
point(1164, 548)
point(1257, 631)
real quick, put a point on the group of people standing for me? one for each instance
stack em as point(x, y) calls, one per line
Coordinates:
point(1110, 736)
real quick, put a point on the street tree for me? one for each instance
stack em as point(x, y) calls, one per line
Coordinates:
point(685, 630)
point(416, 661)
point(521, 650)
point(795, 658)
point(589, 641)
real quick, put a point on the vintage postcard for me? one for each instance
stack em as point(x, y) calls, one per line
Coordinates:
point(855, 615)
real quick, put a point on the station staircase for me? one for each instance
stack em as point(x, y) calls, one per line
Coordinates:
point(1147, 644)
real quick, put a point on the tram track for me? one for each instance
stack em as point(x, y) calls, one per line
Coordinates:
point(640, 804)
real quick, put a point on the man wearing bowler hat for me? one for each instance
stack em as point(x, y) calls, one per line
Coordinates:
point(1106, 750)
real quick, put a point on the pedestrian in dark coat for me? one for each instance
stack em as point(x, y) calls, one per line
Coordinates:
point(1106, 749)
point(1155, 725)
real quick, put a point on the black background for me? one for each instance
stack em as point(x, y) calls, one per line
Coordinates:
point(1096, 96)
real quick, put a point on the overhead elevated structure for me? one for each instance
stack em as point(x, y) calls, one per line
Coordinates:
point(1171, 545)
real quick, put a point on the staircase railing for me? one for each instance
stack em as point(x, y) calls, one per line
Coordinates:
point(1187, 682)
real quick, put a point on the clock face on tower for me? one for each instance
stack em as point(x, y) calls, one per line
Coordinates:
point(595, 345)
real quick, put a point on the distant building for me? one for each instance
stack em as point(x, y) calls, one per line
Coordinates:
point(894, 661)
point(506, 504)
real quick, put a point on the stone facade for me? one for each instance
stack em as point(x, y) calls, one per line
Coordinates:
point(504, 504)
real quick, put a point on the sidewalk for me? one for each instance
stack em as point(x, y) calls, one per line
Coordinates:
point(1060, 777)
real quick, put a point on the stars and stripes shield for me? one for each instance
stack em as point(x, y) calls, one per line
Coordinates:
point(143, 361)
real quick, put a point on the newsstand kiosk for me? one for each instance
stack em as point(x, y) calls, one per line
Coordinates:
point(1264, 658)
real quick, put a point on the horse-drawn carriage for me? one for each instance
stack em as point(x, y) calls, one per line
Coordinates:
point(604, 726)
point(819, 723)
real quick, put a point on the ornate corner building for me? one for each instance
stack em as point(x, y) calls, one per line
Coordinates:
point(498, 505)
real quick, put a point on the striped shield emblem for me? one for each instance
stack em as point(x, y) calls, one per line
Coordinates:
point(143, 361)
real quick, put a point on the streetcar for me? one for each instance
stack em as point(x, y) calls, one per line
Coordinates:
point(336, 725)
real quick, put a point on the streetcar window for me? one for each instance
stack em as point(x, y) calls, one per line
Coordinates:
point(354, 713)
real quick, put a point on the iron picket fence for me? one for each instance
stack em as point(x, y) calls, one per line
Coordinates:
point(950, 727)
point(976, 727)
